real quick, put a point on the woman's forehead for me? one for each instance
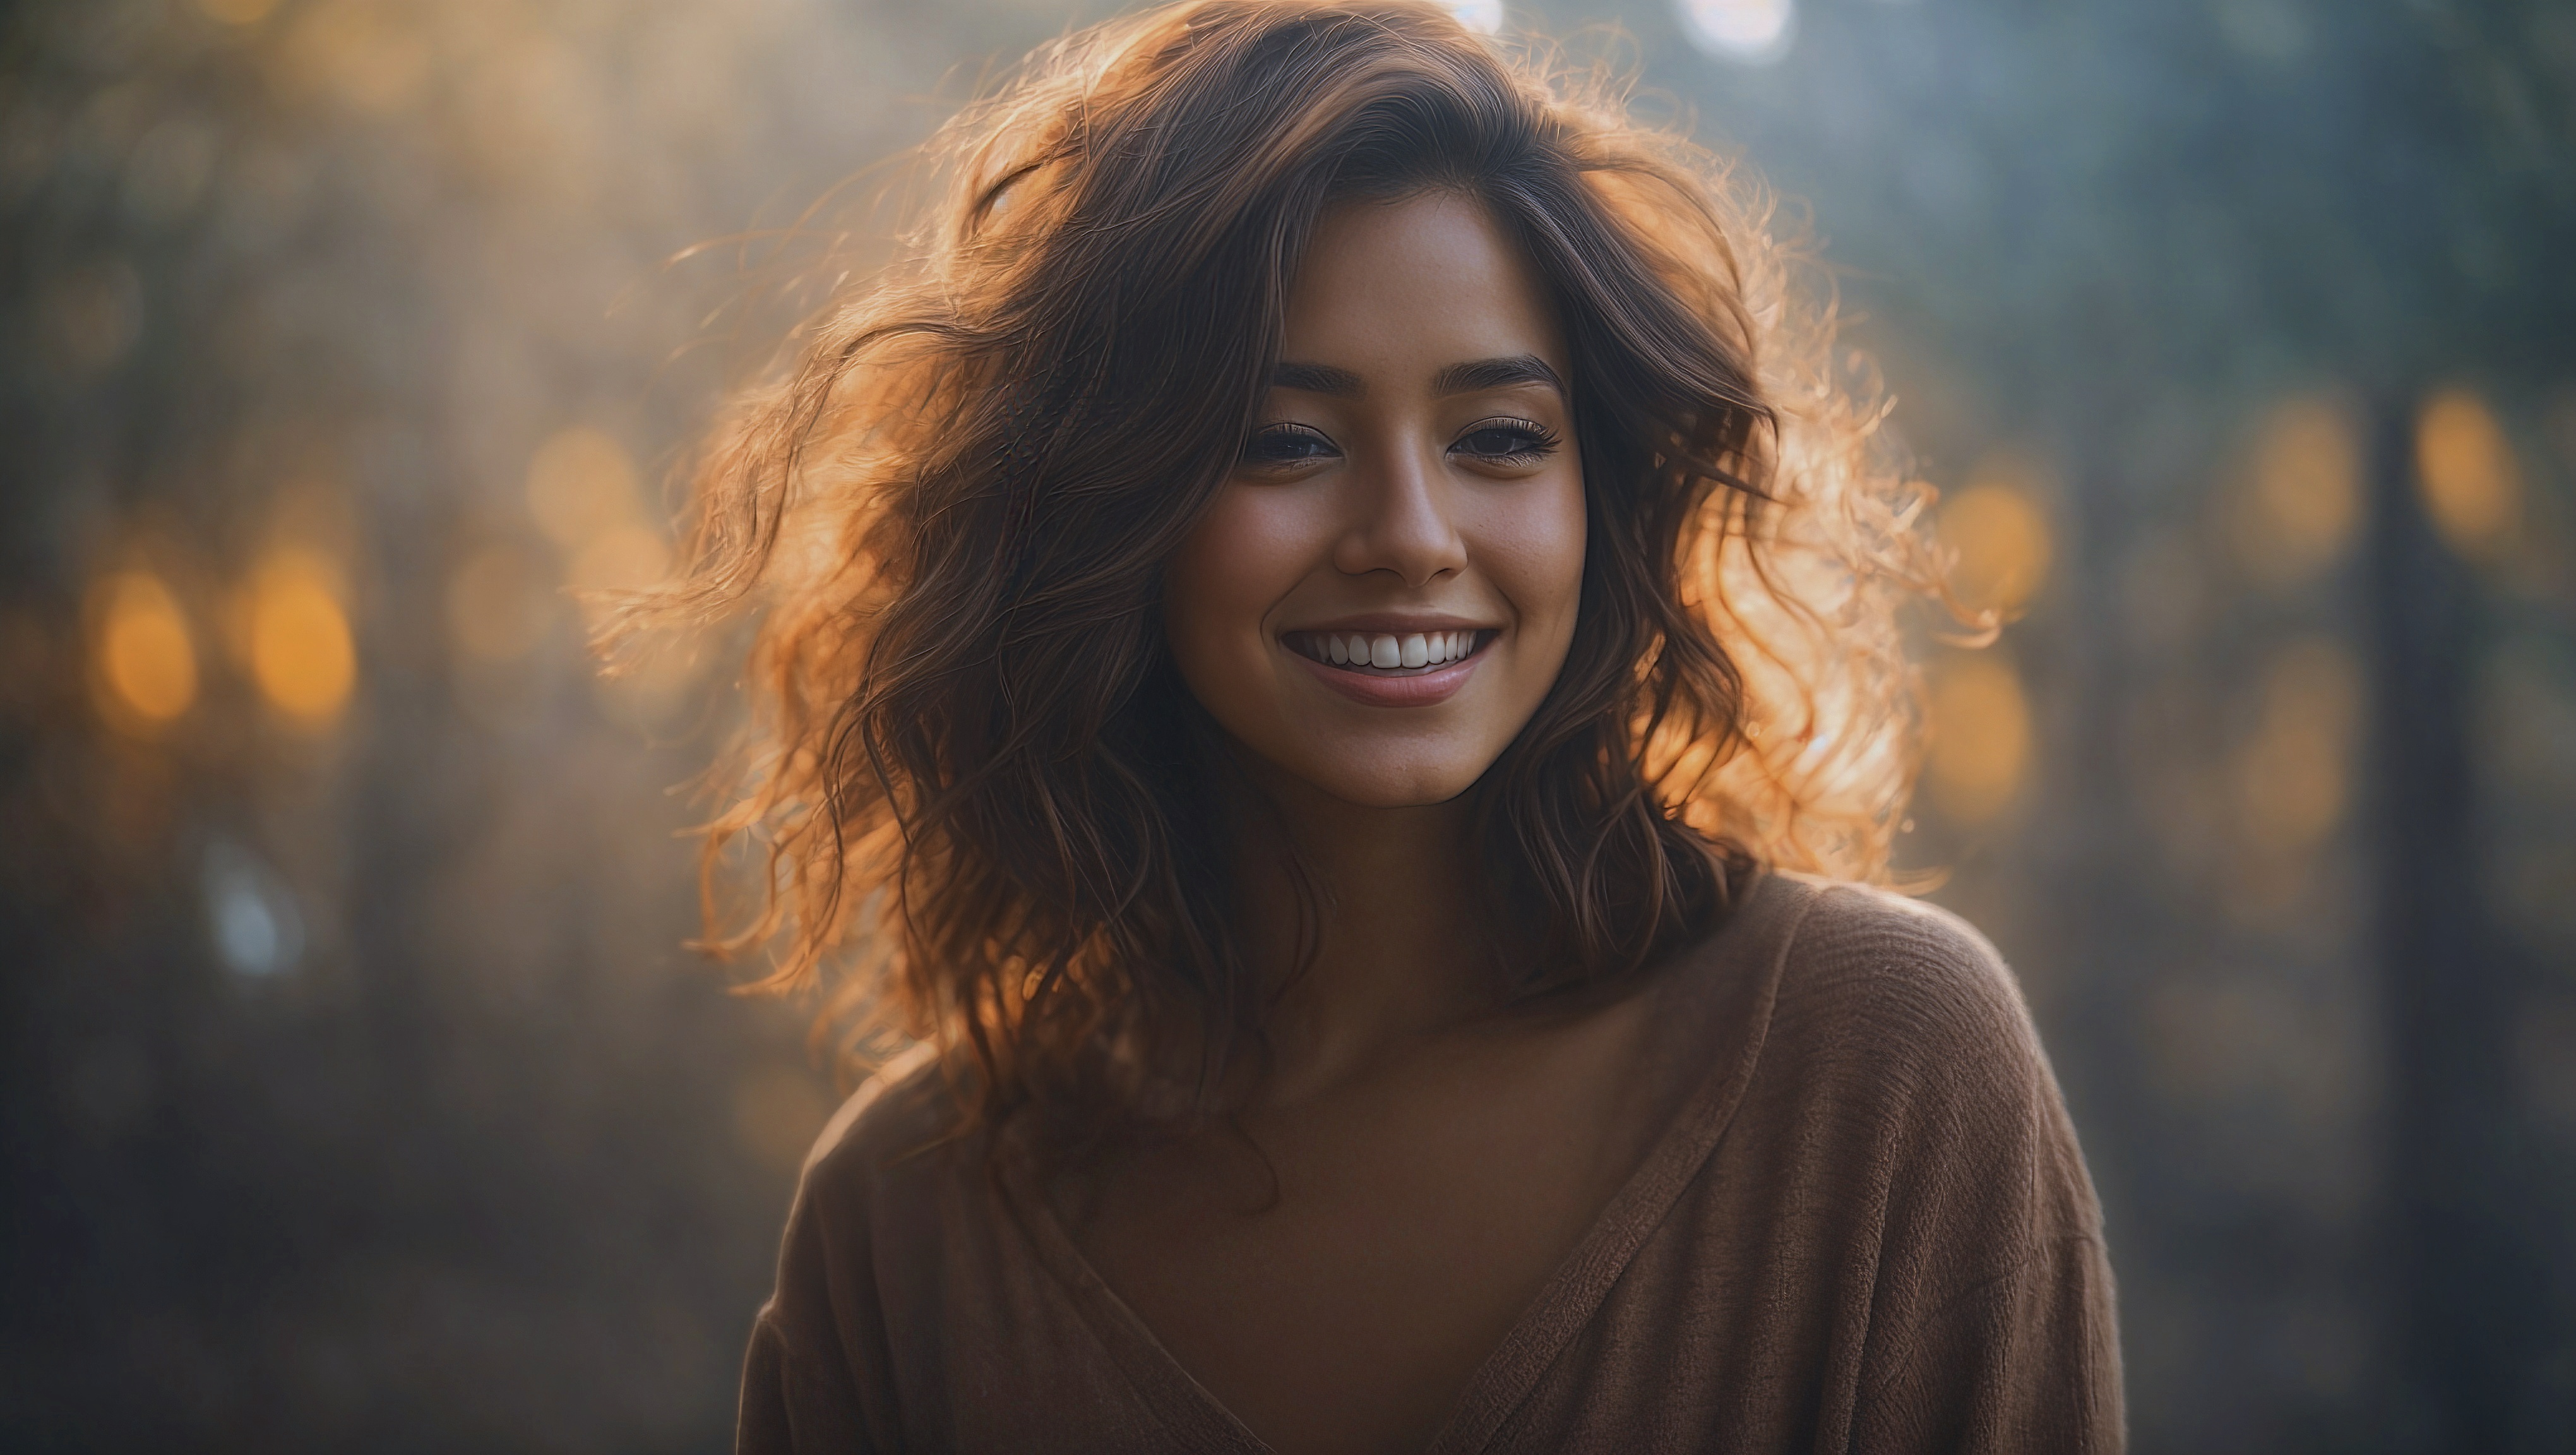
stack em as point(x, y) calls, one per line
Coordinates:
point(1402, 290)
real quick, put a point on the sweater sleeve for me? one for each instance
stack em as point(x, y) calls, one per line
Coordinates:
point(799, 1396)
point(760, 1420)
point(818, 1378)
point(1989, 1323)
point(785, 1414)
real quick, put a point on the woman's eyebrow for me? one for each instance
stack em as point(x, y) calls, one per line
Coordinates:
point(1318, 379)
point(1480, 374)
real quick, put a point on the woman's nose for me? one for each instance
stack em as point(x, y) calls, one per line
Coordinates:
point(1400, 520)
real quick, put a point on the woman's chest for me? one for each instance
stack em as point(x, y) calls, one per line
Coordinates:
point(1335, 1275)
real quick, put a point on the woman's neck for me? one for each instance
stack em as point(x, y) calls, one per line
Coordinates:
point(1397, 952)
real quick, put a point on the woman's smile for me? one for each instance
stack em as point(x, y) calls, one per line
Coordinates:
point(1392, 663)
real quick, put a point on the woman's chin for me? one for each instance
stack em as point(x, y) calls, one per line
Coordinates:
point(1401, 781)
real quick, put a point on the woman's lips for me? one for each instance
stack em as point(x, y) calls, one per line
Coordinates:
point(1421, 685)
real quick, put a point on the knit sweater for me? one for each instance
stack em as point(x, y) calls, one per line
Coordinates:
point(1867, 1228)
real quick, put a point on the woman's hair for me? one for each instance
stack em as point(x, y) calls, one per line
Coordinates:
point(978, 783)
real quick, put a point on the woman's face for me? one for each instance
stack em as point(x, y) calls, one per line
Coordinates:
point(1385, 587)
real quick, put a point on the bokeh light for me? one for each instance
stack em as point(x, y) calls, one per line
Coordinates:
point(301, 653)
point(1980, 736)
point(500, 601)
point(2001, 537)
point(147, 658)
point(1485, 17)
point(1751, 31)
point(374, 57)
point(2302, 501)
point(581, 484)
point(2293, 774)
point(622, 558)
point(250, 913)
point(2471, 484)
point(582, 490)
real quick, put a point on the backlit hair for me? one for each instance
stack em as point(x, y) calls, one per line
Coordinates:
point(975, 778)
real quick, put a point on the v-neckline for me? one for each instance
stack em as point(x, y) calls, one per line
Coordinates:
point(1754, 941)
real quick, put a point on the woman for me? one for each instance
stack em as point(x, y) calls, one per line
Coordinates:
point(1309, 632)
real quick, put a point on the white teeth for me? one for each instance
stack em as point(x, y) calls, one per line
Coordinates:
point(1387, 649)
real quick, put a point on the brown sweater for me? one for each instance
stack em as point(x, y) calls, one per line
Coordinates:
point(1868, 1229)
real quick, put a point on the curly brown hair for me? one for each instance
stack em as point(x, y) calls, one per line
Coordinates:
point(976, 778)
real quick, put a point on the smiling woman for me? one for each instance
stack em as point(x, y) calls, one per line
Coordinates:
point(1303, 642)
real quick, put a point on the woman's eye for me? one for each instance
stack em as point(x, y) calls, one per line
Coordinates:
point(1507, 440)
point(1286, 445)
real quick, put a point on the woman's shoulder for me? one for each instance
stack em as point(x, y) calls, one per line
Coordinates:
point(900, 1126)
point(1875, 973)
point(1899, 1047)
point(1897, 967)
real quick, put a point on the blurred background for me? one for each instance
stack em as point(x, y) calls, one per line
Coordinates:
point(359, 1091)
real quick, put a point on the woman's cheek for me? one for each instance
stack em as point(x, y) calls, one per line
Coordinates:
point(1222, 584)
point(1228, 549)
point(1534, 555)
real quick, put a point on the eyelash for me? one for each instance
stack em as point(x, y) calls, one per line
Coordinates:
point(1534, 441)
point(1252, 448)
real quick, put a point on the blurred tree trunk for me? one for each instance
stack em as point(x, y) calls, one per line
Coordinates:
point(2469, 1298)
